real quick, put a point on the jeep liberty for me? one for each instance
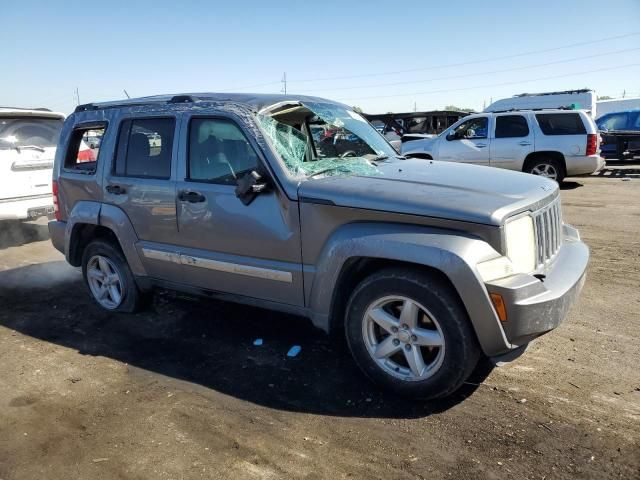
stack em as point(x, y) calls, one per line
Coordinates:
point(298, 204)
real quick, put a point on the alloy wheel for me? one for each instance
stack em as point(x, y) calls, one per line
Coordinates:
point(105, 282)
point(545, 170)
point(403, 338)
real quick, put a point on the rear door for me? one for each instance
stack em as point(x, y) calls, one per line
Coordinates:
point(141, 182)
point(251, 250)
point(467, 143)
point(27, 150)
point(512, 141)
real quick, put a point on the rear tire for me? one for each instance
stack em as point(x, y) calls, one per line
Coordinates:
point(109, 279)
point(409, 333)
point(546, 167)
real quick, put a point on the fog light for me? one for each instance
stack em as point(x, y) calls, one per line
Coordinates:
point(499, 305)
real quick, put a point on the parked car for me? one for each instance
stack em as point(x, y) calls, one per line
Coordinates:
point(425, 267)
point(28, 140)
point(620, 132)
point(550, 143)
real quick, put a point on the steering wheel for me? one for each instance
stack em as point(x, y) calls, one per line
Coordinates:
point(348, 153)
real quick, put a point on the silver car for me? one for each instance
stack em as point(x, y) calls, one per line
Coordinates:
point(426, 267)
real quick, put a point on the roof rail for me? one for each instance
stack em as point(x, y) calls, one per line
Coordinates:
point(38, 109)
point(182, 99)
point(530, 109)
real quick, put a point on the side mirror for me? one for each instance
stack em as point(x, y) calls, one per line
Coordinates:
point(451, 135)
point(250, 186)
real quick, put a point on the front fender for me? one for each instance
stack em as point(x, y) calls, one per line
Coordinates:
point(453, 253)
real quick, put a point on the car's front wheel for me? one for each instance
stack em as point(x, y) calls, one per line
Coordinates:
point(108, 277)
point(409, 333)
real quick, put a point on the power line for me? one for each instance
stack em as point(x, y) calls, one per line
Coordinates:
point(617, 67)
point(453, 77)
point(472, 62)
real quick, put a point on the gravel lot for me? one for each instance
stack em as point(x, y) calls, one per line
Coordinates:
point(180, 391)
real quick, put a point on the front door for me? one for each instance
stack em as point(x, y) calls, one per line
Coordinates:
point(513, 141)
point(467, 143)
point(251, 250)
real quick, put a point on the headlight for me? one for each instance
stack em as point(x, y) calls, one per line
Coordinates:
point(521, 244)
point(521, 251)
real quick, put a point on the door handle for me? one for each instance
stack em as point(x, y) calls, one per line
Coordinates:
point(481, 145)
point(524, 143)
point(191, 197)
point(115, 189)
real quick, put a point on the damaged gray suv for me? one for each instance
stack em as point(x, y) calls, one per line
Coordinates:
point(298, 204)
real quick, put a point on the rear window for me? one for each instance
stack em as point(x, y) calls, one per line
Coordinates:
point(17, 132)
point(561, 124)
point(84, 147)
point(145, 147)
point(509, 126)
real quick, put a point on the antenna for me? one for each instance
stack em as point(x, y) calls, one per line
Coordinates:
point(284, 83)
point(125, 92)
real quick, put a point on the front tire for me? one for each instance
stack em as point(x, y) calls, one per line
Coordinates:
point(410, 334)
point(109, 279)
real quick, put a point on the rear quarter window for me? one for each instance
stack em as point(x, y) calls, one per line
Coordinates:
point(561, 124)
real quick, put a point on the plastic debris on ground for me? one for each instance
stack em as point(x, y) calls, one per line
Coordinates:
point(257, 342)
point(294, 351)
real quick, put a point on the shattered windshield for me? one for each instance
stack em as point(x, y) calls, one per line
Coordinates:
point(319, 139)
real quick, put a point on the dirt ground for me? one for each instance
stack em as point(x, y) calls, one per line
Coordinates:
point(181, 392)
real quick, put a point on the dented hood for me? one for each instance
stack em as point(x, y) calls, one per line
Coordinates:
point(454, 191)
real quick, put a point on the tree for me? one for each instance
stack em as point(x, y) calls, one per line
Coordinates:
point(605, 97)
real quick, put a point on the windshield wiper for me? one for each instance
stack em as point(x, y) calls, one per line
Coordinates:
point(29, 147)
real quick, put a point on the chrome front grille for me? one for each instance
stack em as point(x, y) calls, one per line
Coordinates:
point(548, 226)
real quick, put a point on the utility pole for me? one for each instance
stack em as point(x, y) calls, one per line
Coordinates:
point(624, 92)
point(77, 95)
point(415, 106)
point(284, 82)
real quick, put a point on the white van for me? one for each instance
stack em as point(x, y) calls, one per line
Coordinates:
point(28, 140)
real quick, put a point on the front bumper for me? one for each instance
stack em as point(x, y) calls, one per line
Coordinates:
point(536, 306)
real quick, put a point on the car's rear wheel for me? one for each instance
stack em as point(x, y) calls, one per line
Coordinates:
point(409, 333)
point(109, 278)
point(546, 167)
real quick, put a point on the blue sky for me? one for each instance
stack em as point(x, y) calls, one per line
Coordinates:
point(379, 55)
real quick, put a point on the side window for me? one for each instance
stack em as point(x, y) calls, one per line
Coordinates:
point(476, 128)
point(561, 124)
point(510, 126)
point(84, 147)
point(636, 123)
point(615, 121)
point(218, 151)
point(145, 148)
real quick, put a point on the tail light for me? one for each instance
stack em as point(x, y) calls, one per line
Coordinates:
point(86, 155)
point(592, 144)
point(56, 202)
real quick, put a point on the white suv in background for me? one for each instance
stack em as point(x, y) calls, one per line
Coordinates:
point(28, 140)
point(551, 143)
